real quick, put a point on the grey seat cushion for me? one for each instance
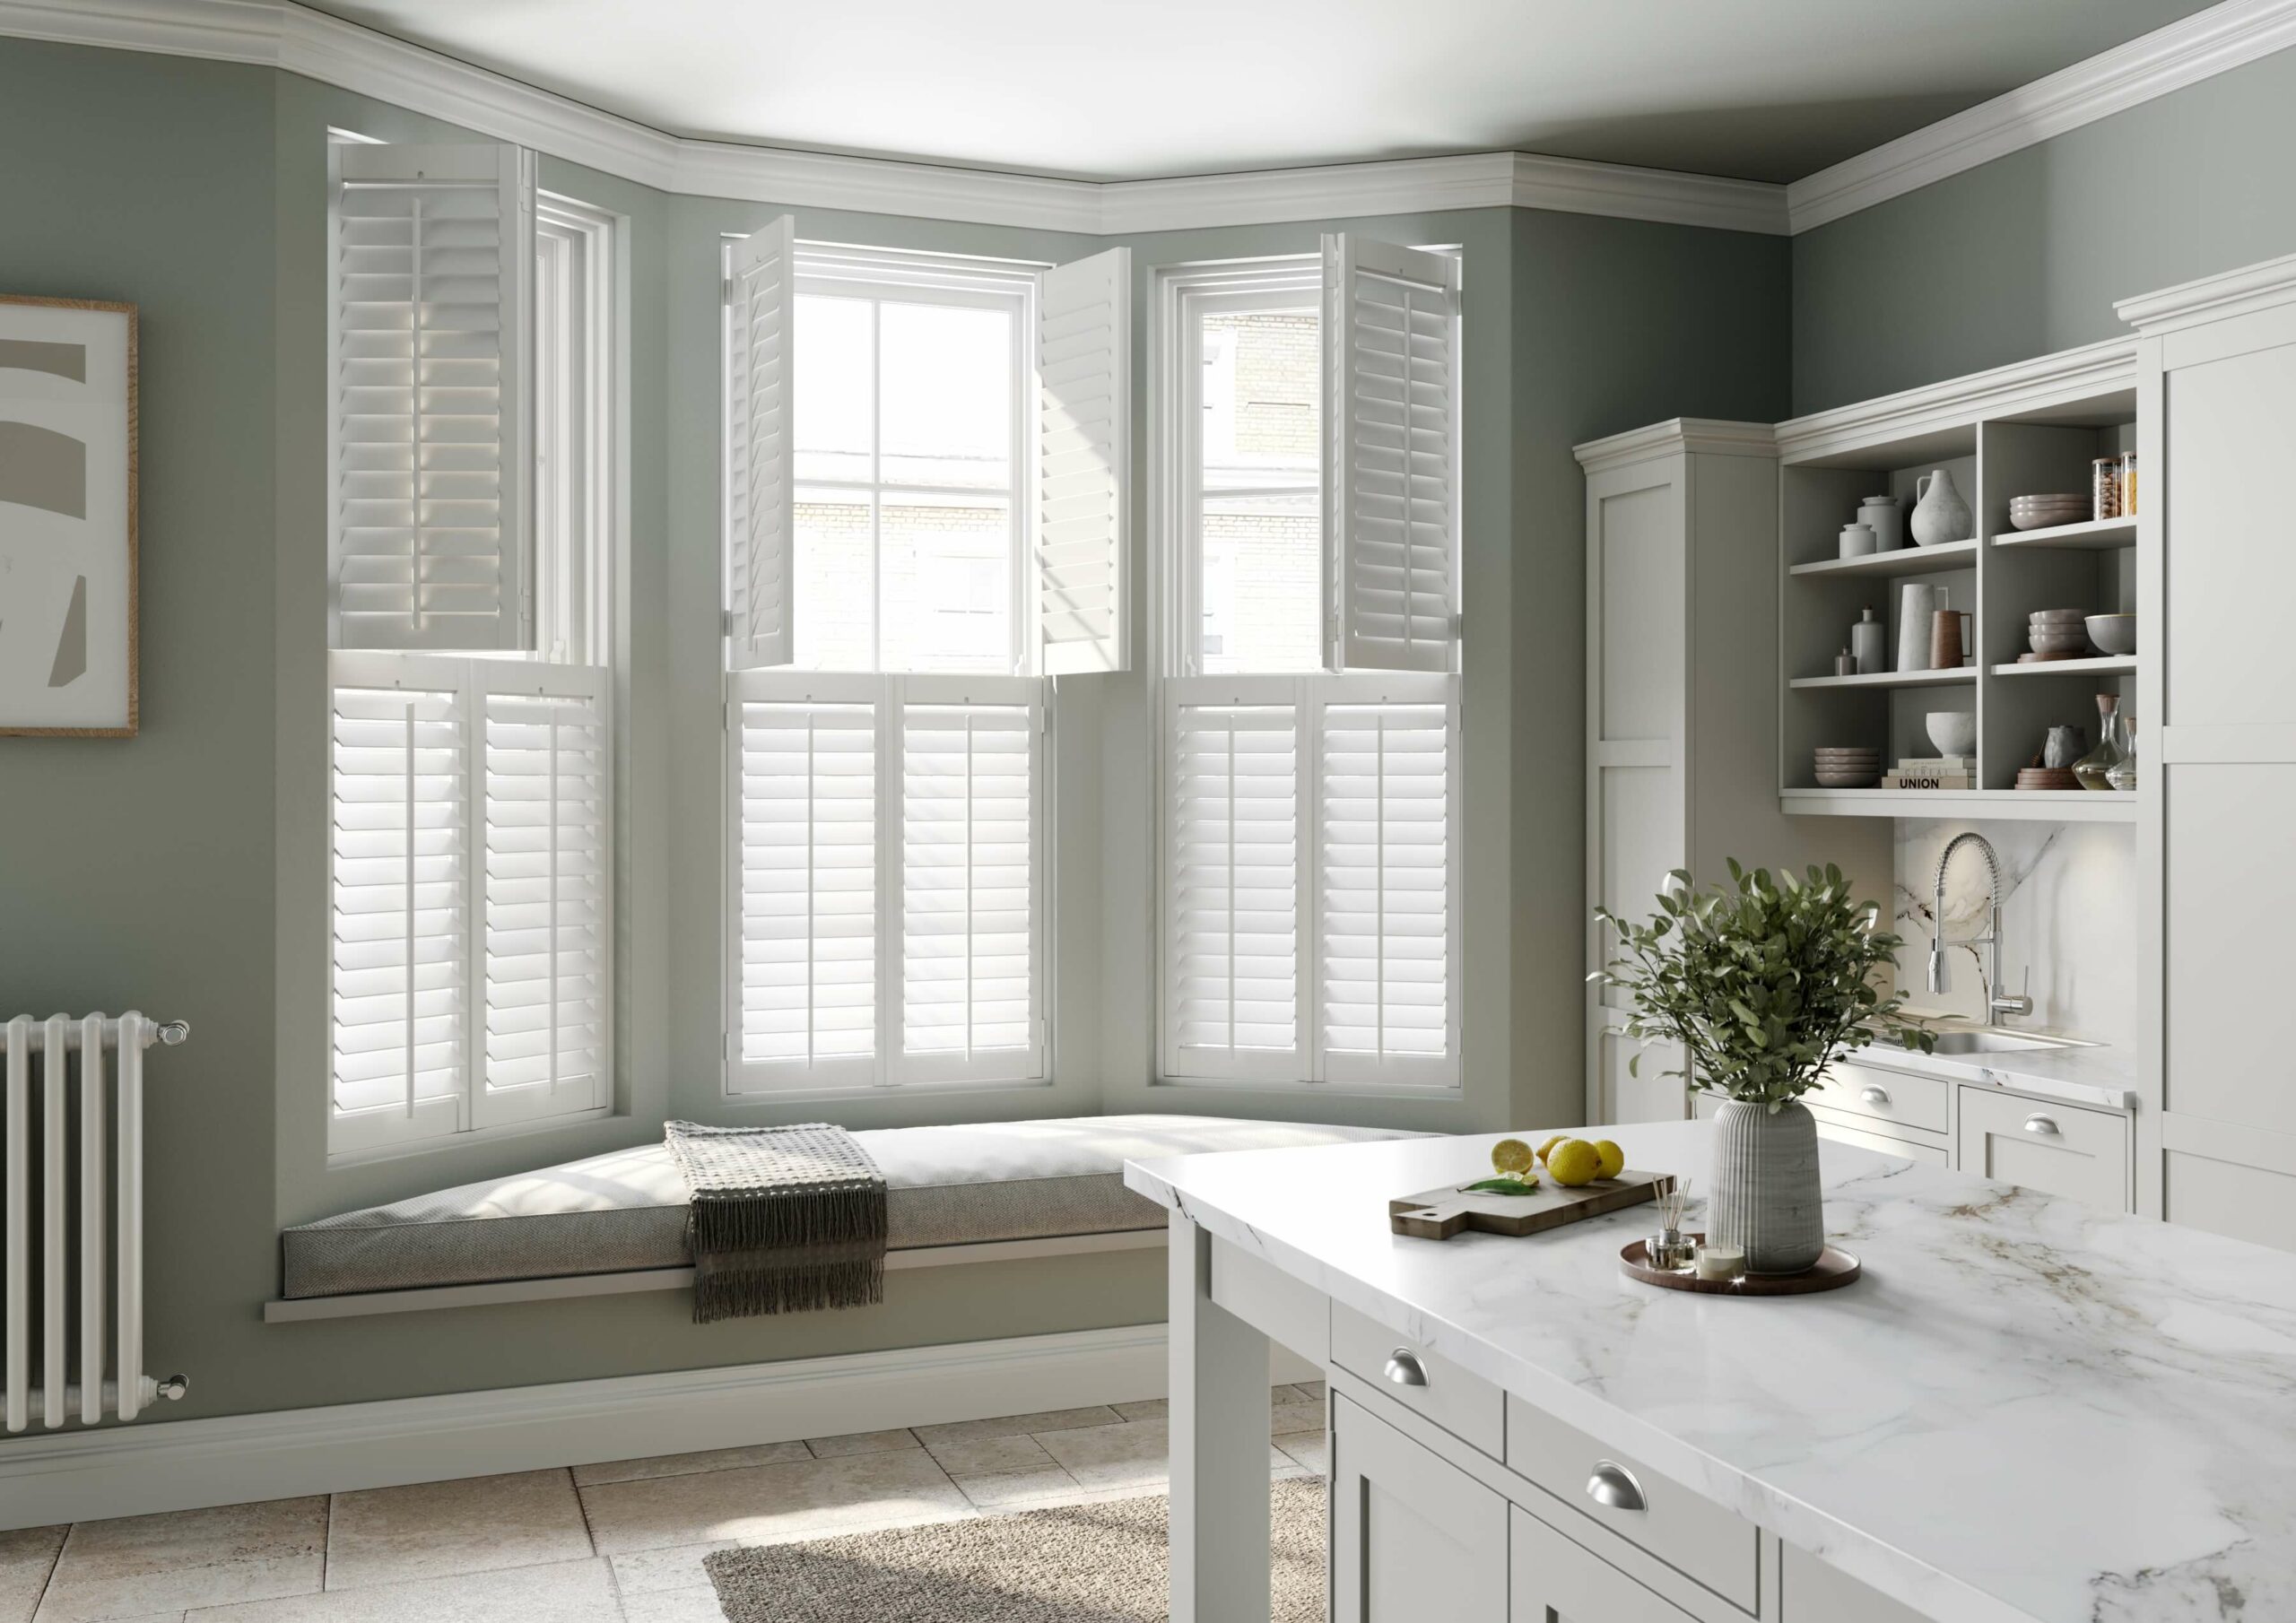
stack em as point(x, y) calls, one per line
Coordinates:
point(945, 1187)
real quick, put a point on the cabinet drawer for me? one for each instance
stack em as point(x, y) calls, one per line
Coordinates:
point(2062, 1149)
point(1852, 1129)
point(1465, 1405)
point(1414, 1537)
point(1555, 1581)
point(1811, 1592)
point(1897, 1097)
point(1690, 1534)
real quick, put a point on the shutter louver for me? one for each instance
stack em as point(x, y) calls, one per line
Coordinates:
point(1231, 981)
point(968, 896)
point(1085, 443)
point(1391, 464)
point(400, 926)
point(762, 294)
point(433, 256)
point(806, 813)
point(542, 824)
point(1384, 810)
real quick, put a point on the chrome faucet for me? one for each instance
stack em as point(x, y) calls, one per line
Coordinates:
point(1997, 1006)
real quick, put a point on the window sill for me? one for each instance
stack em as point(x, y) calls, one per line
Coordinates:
point(375, 1154)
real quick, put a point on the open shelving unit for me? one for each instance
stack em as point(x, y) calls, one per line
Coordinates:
point(2027, 429)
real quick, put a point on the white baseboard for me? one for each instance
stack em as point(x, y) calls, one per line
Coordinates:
point(120, 1471)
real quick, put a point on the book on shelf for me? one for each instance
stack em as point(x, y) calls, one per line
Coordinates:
point(1937, 763)
point(1920, 778)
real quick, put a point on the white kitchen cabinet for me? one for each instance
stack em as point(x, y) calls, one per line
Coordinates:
point(2062, 1149)
point(1682, 622)
point(1810, 1591)
point(1414, 1537)
point(1556, 1581)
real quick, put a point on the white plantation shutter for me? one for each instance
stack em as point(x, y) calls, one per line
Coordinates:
point(804, 789)
point(431, 274)
point(1387, 915)
point(760, 326)
point(1085, 443)
point(1233, 879)
point(400, 921)
point(544, 922)
point(1391, 457)
point(968, 918)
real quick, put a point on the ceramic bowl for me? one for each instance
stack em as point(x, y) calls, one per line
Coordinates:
point(2058, 642)
point(2113, 633)
point(1953, 732)
point(2057, 617)
point(1864, 779)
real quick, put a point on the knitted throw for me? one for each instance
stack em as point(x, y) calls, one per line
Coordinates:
point(781, 1219)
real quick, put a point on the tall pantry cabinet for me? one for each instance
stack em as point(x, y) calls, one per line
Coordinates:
point(2216, 750)
point(1682, 703)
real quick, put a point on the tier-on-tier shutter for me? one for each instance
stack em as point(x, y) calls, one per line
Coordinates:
point(1084, 445)
point(761, 328)
point(1391, 460)
point(432, 275)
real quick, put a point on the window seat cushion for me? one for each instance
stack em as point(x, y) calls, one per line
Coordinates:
point(954, 1185)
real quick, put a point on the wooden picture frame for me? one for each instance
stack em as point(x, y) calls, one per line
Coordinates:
point(70, 659)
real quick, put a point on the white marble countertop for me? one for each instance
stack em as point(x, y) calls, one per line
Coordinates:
point(2087, 1074)
point(2026, 1411)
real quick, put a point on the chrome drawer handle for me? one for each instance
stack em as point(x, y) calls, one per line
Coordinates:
point(1879, 1098)
point(1612, 1484)
point(2041, 1126)
point(1405, 1369)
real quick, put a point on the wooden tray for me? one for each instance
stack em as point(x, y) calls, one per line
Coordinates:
point(1835, 1269)
point(1437, 1214)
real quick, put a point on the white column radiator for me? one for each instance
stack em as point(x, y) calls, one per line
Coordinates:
point(74, 1146)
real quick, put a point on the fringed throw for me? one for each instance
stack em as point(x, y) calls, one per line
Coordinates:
point(780, 1220)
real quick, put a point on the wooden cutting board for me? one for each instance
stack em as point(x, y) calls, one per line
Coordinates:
point(1439, 1213)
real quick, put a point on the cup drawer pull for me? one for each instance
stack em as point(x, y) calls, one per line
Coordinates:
point(1405, 1369)
point(1879, 1098)
point(1612, 1484)
point(2041, 1126)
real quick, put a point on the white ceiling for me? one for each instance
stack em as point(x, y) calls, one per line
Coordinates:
point(1110, 90)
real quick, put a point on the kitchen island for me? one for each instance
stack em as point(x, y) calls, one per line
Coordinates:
point(2026, 1411)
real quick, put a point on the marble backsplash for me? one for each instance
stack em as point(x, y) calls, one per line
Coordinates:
point(2068, 909)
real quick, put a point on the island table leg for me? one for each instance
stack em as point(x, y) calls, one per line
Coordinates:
point(1218, 1412)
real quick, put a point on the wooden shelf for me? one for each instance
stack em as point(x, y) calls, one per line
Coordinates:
point(2090, 536)
point(2102, 664)
point(1898, 560)
point(1893, 679)
point(2041, 805)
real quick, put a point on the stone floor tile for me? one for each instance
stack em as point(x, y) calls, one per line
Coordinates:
point(27, 1555)
point(681, 1465)
point(978, 1456)
point(860, 1442)
point(640, 1572)
point(1015, 1425)
point(1311, 1449)
point(134, 1566)
point(565, 1591)
point(1012, 1489)
point(435, 1530)
point(760, 1503)
point(694, 1604)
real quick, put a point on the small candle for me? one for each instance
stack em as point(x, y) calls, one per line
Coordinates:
point(1721, 1262)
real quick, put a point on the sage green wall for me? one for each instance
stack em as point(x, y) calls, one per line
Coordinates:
point(2026, 255)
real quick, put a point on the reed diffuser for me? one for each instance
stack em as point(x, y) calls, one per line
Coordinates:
point(1670, 1247)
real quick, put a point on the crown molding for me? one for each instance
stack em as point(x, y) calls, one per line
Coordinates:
point(2023, 386)
point(879, 185)
point(2254, 287)
point(1572, 187)
point(2185, 52)
point(1696, 436)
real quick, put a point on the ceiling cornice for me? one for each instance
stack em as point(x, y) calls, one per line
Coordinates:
point(2254, 287)
point(2185, 52)
point(279, 33)
point(1698, 436)
point(2024, 386)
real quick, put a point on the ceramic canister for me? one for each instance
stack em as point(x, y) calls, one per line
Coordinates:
point(1886, 519)
point(1857, 540)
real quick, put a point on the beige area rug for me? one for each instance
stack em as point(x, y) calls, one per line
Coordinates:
point(1099, 1563)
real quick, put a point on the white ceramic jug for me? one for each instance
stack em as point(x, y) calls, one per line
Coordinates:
point(1940, 516)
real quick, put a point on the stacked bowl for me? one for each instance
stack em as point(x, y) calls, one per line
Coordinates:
point(2057, 633)
point(1847, 768)
point(2046, 512)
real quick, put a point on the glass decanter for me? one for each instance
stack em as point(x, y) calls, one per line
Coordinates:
point(2094, 770)
point(2123, 776)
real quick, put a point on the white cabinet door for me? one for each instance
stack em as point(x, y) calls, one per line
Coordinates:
point(1811, 1592)
point(1414, 1538)
point(1556, 1581)
point(2058, 1148)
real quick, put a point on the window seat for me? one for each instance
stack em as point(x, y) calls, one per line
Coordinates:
point(1013, 1188)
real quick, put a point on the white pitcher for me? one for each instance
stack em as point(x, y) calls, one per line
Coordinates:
point(1940, 515)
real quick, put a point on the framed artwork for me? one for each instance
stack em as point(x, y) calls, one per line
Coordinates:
point(67, 518)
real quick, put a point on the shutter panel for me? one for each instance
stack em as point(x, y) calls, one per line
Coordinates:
point(967, 881)
point(1385, 814)
point(544, 928)
point(400, 925)
point(1391, 463)
point(432, 276)
point(805, 788)
point(760, 329)
point(1233, 975)
point(1084, 445)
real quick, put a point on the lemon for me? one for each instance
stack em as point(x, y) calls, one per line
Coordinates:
point(1547, 1148)
point(1511, 1155)
point(1613, 1158)
point(1575, 1161)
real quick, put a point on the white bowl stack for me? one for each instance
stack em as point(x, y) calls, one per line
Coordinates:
point(1847, 768)
point(2059, 632)
point(2046, 512)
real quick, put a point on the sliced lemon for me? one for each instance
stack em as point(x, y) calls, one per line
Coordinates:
point(1512, 1154)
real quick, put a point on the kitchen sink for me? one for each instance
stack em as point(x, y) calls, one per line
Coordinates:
point(2001, 1042)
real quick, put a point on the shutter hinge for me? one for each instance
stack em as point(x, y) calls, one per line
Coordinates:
point(725, 292)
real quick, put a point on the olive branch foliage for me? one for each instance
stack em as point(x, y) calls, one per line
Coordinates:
point(1763, 981)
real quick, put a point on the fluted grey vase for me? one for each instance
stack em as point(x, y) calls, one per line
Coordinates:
point(1766, 1196)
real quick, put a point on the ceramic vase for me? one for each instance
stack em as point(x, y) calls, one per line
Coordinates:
point(1941, 515)
point(1765, 1195)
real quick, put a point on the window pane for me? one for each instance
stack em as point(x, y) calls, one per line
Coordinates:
point(835, 581)
point(1263, 373)
point(948, 395)
point(947, 592)
point(1261, 584)
point(834, 387)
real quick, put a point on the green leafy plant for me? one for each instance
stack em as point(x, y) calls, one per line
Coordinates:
point(1764, 982)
